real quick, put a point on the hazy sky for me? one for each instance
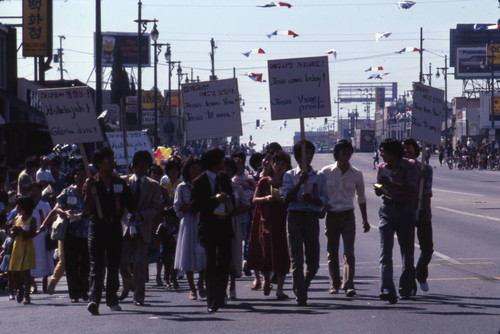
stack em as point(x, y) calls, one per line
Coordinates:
point(349, 26)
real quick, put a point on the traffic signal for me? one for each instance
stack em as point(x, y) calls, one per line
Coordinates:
point(326, 121)
point(257, 123)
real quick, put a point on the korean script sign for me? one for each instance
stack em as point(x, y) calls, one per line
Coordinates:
point(299, 87)
point(212, 109)
point(136, 141)
point(70, 115)
point(37, 28)
point(427, 113)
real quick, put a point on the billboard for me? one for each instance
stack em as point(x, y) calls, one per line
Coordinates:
point(485, 115)
point(37, 28)
point(471, 36)
point(126, 43)
point(475, 62)
point(366, 92)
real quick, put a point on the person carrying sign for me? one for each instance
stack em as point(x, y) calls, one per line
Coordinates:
point(397, 184)
point(305, 191)
point(424, 223)
point(105, 234)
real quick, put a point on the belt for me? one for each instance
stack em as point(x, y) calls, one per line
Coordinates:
point(304, 213)
point(345, 212)
point(389, 202)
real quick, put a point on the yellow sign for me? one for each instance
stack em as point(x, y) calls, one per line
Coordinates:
point(496, 53)
point(37, 28)
point(496, 105)
point(148, 100)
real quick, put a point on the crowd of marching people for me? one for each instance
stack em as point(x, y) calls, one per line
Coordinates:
point(469, 156)
point(209, 216)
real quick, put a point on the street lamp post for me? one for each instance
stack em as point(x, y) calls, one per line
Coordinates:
point(179, 79)
point(141, 29)
point(157, 50)
point(171, 64)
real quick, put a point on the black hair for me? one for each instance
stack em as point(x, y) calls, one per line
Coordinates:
point(393, 147)
point(256, 160)
point(297, 149)
point(156, 169)
point(212, 158)
point(273, 147)
point(70, 177)
point(413, 142)
point(283, 156)
point(56, 161)
point(27, 204)
point(231, 163)
point(174, 162)
point(186, 164)
point(101, 154)
point(169, 212)
point(341, 144)
point(31, 162)
point(142, 156)
point(240, 155)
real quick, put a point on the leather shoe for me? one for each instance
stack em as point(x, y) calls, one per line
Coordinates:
point(302, 302)
point(93, 308)
point(388, 297)
point(123, 295)
point(138, 303)
point(212, 309)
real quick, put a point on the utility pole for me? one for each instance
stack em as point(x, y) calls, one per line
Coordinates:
point(421, 77)
point(60, 54)
point(139, 74)
point(98, 62)
point(212, 59)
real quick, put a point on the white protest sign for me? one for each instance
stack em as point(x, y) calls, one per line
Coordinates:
point(136, 141)
point(70, 115)
point(427, 113)
point(299, 87)
point(212, 109)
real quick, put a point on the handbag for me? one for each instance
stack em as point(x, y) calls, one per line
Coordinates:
point(59, 228)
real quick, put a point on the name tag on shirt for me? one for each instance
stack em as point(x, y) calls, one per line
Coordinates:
point(118, 188)
point(72, 200)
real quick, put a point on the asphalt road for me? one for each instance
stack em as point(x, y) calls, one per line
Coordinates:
point(463, 296)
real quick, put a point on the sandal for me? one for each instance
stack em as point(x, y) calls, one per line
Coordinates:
point(256, 286)
point(192, 295)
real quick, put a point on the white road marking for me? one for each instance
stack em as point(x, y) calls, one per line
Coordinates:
point(456, 192)
point(467, 213)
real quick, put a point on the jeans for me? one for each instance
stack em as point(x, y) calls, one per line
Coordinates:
point(424, 235)
point(303, 241)
point(399, 220)
point(105, 249)
point(341, 224)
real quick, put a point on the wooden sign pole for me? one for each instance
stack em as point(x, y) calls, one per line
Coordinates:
point(124, 131)
point(303, 160)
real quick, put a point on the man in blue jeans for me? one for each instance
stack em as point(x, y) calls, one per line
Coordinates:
point(305, 191)
point(397, 184)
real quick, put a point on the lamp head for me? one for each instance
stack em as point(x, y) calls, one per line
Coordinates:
point(154, 33)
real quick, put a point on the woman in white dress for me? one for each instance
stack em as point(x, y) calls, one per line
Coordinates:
point(240, 215)
point(189, 254)
point(44, 257)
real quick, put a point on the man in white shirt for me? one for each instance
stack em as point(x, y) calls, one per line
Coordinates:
point(343, 181)
point(43, 174)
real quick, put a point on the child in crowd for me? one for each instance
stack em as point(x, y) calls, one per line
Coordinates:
point(5, 255)
point(23, 251)
point(166, 232)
